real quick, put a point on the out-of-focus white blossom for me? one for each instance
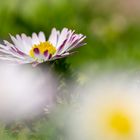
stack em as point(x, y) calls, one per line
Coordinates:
point(108, 109)
point(24, 92)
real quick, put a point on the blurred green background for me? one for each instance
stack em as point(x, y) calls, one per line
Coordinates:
point(112, 28)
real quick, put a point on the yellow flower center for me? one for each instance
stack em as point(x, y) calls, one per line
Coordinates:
point(120, 123)
point(115, 123)
point(42, 48)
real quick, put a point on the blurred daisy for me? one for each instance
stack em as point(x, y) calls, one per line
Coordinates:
point(37, 49)
point(110, 110)
point(20, 99)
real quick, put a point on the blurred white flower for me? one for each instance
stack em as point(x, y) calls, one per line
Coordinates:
point(109, 109)
point(37, 49)
point(24, 92)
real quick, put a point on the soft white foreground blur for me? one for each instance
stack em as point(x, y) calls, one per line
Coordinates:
point(108, 109)
point(24, 92)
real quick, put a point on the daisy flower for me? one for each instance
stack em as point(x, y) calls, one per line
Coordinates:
point(108, 109)
point(36, 49)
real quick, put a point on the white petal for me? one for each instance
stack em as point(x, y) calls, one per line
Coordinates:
point(67, 43)
point(18, 37)
point(15, 41)
point(62, 56)
point(53, 37)
point(42, 37)
point(4, 50)
point(11, 54)
point(4, 47)
point(76, 44)
point(14, 59)
point(62, 37)
point(26, 39)
point(35, 39)
point(27, 43)
point(8, 48)
point(8, 44)
point(18, 43)
point(24, 46)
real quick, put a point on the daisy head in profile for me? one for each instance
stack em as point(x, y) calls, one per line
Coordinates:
point(37, 49)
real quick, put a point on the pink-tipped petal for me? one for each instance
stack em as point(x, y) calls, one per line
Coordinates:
point(62, 37)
